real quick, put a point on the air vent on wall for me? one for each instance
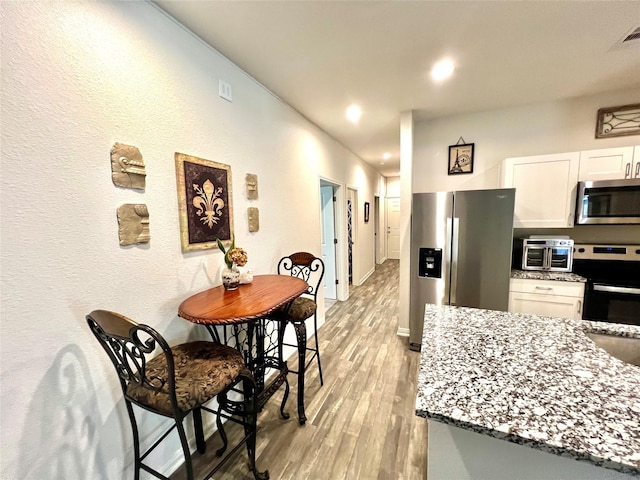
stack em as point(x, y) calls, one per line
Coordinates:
point(631, 38)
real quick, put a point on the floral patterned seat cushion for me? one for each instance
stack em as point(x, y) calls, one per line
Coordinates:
point(301, 309)
point(203, 370)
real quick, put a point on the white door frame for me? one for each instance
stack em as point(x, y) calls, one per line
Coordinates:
point(340, 224)
point(377, 232)
point(352, 193)
point(329, 239)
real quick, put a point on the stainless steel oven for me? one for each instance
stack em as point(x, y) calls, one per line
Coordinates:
point(612, 292)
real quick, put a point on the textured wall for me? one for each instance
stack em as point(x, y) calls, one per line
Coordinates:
point(77, 77)
point(535, 129)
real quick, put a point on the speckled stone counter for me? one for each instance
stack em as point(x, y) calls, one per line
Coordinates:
point(539, 275)
point(617, 329)
point(531, 380)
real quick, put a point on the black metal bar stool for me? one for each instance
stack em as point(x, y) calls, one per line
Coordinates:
point(311, 269)
point(176, 381)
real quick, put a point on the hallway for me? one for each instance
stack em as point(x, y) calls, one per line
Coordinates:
point(361, 423)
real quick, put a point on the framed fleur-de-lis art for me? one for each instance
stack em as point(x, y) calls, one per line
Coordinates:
point(204, 202)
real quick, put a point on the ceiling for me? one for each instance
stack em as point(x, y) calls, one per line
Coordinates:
point(322, 56)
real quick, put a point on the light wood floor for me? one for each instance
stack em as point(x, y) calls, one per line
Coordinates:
point(361, 423)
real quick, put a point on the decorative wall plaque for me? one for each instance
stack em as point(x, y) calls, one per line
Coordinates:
point(133, 224)
point(127, 166)
point(461, 158)
point(252, 186)
point(254, 219)
point(618, 121)
point(204, 202)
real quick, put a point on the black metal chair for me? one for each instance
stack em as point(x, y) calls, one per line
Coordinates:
point(176, 381)
point(310, 269)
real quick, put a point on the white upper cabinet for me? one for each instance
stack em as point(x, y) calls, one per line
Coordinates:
point(609, 164)
point(545, 189)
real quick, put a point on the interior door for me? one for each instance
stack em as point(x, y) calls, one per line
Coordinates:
point(328, 241)
point(393, 228)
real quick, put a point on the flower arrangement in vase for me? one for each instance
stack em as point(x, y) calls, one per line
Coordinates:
point(233, 258)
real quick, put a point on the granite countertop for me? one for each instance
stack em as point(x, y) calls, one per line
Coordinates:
point(532, 380)
point(545, 275)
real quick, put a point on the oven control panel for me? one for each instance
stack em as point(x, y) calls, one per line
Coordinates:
point(606, 252)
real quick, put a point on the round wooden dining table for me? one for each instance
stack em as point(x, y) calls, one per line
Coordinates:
point(241, 317)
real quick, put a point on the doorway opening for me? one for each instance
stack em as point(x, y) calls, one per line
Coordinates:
point(329, 240)
point(393, 228)
point(352, 231)
point(378, 243)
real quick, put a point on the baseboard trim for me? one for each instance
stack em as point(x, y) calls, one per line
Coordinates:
point(367, 275)
point(402, 332)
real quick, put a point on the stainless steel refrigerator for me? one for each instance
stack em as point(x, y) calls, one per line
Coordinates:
point(460, 252)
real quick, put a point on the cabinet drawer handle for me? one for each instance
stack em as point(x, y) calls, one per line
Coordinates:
point(579, 306)
point(627, 171)
point(637, 174)
point(543, 288)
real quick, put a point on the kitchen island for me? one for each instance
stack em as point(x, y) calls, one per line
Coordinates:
point(537, 382)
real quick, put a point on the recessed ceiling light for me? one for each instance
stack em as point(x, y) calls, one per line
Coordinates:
point(386, 156)
point(353, 113)
point(442, 70)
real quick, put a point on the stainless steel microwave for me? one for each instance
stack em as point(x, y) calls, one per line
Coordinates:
point(608, 202)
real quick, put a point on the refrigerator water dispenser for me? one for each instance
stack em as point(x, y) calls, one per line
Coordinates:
point(430, 263)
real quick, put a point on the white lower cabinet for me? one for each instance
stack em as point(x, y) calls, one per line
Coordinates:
point(546, 297)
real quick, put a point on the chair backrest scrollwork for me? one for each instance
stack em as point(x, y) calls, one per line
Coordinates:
point(130, 346)
point(306, 266)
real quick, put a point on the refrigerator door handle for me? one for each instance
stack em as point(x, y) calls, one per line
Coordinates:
point(455, 236)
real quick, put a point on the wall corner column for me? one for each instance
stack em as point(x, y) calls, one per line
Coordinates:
point(406, 191)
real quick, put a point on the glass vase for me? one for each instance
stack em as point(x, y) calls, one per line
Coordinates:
point(231, 277)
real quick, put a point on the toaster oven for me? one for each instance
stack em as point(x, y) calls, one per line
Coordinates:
point(547, 254)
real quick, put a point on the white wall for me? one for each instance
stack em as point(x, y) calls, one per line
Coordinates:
point(536, 129)
point(76, 78)
point(393, 186)
point(365, 182)
point(407, 152)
